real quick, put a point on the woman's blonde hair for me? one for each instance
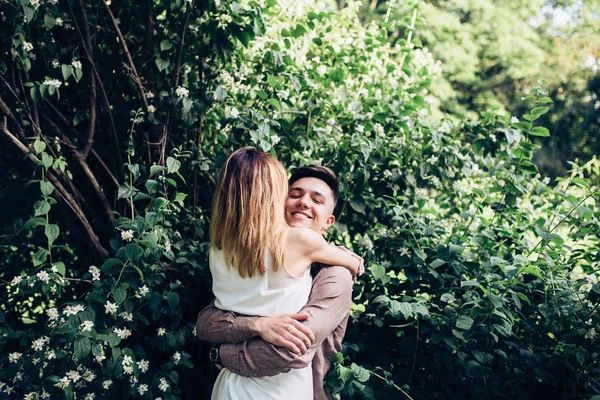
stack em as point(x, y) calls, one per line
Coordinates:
point(248, 211)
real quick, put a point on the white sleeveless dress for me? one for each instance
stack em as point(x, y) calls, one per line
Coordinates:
point(273, 294)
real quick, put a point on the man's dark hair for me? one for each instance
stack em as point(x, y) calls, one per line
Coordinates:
point(318, 172)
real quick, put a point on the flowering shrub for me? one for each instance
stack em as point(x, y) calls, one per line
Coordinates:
point(482, 276)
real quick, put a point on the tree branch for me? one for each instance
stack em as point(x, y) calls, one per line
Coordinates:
point(134, 74)
point(87, 45)
point(61, 193)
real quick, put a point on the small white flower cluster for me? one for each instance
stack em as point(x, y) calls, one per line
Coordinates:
point(127, 365)
point(87, 326)
point(38, 344)
point(95, 271)
point(151, 108)
point(14, 357)
point(161, 331)
point(143, 388)
point(52, 82)
point(176, 357)
point(126, 316)
point(127, 235)
point(122, 333)
point(59, 21)
point(143, 291)
point(43, 276)
point(35, 4)
point(52, 314)
point(76, 64)
point(106, 384)
point(110, 308)
point(63, 383)
point(27, 46)
point(163, 385)
point(16, 280)
point(73, 310)
point(182, 92)
point(167, 247)
point(143, 366)
point(100, 357)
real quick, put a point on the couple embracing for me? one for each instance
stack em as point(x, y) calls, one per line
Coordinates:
point(265, 236)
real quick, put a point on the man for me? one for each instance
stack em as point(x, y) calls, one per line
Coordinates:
point(266, 346)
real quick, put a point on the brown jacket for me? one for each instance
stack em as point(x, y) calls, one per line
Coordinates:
point(328, 308)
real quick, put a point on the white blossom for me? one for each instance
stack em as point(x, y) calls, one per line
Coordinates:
point(63, 383)
point(151, 108)
point(52, 82)
point(59, 21)
point(95, 271)
point(122, 333)
point(27, 46)
point(590, 334)
point(14, 357)
point(432, 160)
point(144, 291)
point(143, 365)
point(16, 280)
point(87, 326)
point(106, 384)
point(89, 396)
point(110, 308)
point(514, 120)
point(163, 385)
point(167, 247)
point(126, 316)
point(52, 313)
point(127, 235)
point(73, 310)
point(76, 64)
point(182, 92)
point(43, 276)
point(73, 376)
point(143, 388)
point(176, 357)
point(161, 331)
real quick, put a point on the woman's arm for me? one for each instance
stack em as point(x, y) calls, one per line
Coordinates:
point(316, 249)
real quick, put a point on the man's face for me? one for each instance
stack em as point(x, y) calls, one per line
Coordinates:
point(309, 204)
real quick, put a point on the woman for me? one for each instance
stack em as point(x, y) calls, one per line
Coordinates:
point(260, 266)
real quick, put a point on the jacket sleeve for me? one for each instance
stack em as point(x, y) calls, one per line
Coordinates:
point(328, 304)
point(219, 326)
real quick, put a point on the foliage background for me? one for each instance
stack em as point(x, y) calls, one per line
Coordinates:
point(117, 115)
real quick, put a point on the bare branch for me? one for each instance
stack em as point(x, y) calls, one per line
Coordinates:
point(186, 20)
point(87, 45)
point(133, 71)
point(61, 193)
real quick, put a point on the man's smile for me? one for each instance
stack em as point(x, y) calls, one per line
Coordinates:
point(300, 214)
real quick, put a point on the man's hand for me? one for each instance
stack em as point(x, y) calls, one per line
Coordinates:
point(285, 331)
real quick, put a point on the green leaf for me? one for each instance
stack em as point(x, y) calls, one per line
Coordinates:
point(173, 300)
point(358, 204)
point(41, 207)
point(271, 81)
point(581, 182)
point(539, 131)
point(60, 266)
point(78, 73)
point(274, 103)
point(165, 45)
point(360, 373)
point(39, 257)
point(464, 322)
point(476, 370)
point(66, 70)
point(545, 100)
point(173, 165)
point(51, 231)
point(47, 188)
point(220, 93)
point(49, 21)
point(155, 169)
point(119, 294)
point(152, 186)
point(47, 160)
point(133, 252)
point(539, 111)
point(39, 146)
point(398, 307)
point(162, 64)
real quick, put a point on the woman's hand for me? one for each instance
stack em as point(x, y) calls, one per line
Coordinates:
point(361, 262)
point(285, 331)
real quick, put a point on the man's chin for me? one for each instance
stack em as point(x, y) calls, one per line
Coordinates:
point(299, 223)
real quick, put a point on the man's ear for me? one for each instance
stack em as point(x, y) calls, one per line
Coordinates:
point(328, 222)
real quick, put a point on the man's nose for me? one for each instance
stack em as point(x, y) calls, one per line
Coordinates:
point(302, 201)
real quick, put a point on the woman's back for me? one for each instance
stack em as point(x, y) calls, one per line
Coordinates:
point(275, 293)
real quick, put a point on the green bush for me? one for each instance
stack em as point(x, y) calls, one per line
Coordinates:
point(482, 276)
